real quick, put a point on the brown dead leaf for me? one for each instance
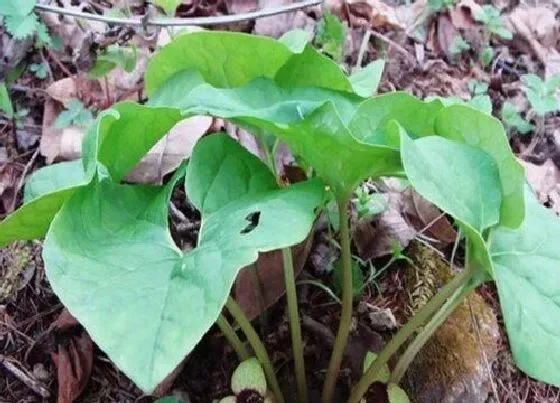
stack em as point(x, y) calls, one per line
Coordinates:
point(423, 215)
point(375, 14)
point(545, 181)
point(170, 151)
point(539, 27)
point(445, 34)
point(374, 238)
point(277, 25)
point(258, 289)
point(241, 6)
point(73, 357)
point(59, 144)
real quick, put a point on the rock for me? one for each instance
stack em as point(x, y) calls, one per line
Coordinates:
point(454, 366)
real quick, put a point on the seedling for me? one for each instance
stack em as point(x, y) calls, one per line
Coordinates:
point(108, 252)
point(542, 95)
point(112, 57)
point(21, 22)
point(458, 45)
point(40, 70)
point(439, 5)
point(512, 118)
point(330, 35)
point(76, 114)
point(490, 17)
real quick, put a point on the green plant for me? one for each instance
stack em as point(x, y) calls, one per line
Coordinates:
point(492, 20)
point(439, 5)
point(76, 114)
point(486, 56)
point(513, 119)
point(20, 21)
point(40, 70)
point(112, 57)
point(458, 45)
point(108, 251)
point(541, 94)
point(330, 35)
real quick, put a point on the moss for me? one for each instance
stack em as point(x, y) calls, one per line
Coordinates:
point(455, 350)
point(13, 261)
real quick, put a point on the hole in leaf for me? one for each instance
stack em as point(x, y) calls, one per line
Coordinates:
point(253, 219)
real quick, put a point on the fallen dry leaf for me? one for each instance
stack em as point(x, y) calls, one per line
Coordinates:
point(539, 27)
point(445, 34)
point(73, 357)
point(277, 25)
point(375, 238)
point(545, 181)
point(170, 151)
point(423, 215)
point(59, 144)
point(10, 175)
point(375, 14)
point(258, 289)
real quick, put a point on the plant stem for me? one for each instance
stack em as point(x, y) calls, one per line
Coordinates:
point(258, 347)
point(295, 327)
point(232, 337)
point(407, 330)
point(346, 312)
point(424, 335)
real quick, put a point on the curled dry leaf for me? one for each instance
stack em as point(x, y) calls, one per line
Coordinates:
point(168, 153)
point(423, 215)
point(73, 357)
point(260, 286)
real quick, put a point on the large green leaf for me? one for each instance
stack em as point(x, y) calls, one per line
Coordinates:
point(230, 59)
point(54, 177)
point(526, 270)
point(111, 260)
point(366, 80)
point(310, 120)
point(45, 192)
point(122, 135)
point(220, 171)
point(461, 180)
point(372, 117)
point(475, 128)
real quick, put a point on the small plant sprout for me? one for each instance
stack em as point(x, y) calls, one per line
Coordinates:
point(21, 22)
point(330, 35)
point(112, 57)
point(542, 95)
point(458, 45)
point(512, 119)
point(248, 384)
point(76, 114)
point(40, 70)
point(490, 17)
point(108, 251)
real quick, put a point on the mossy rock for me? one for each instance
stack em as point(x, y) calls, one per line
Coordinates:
point(454, 365)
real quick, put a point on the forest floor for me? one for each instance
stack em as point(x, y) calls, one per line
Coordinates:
point(452, 49)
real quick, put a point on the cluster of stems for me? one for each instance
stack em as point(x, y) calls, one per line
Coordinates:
point(423, 324)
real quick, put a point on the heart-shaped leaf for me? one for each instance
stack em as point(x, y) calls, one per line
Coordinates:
point(110, 258)
point(309, 120)
point(461, 180)
point(417, 117)
point(526, 262)
point(475, 128)
point(238, 58)
point(45, 192)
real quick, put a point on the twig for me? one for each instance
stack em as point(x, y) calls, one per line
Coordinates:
point(166, 22)
point(24, 376)
point(59, 63)
point(22, 179)
point(395, 44)
point(363, 49)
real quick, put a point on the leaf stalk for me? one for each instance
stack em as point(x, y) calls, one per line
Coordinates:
point(232, 337)
point(346, 312)
point(257, 346)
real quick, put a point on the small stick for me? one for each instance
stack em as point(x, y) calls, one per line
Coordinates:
point(22, 179)
point(395, 44)
point(24, 376)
